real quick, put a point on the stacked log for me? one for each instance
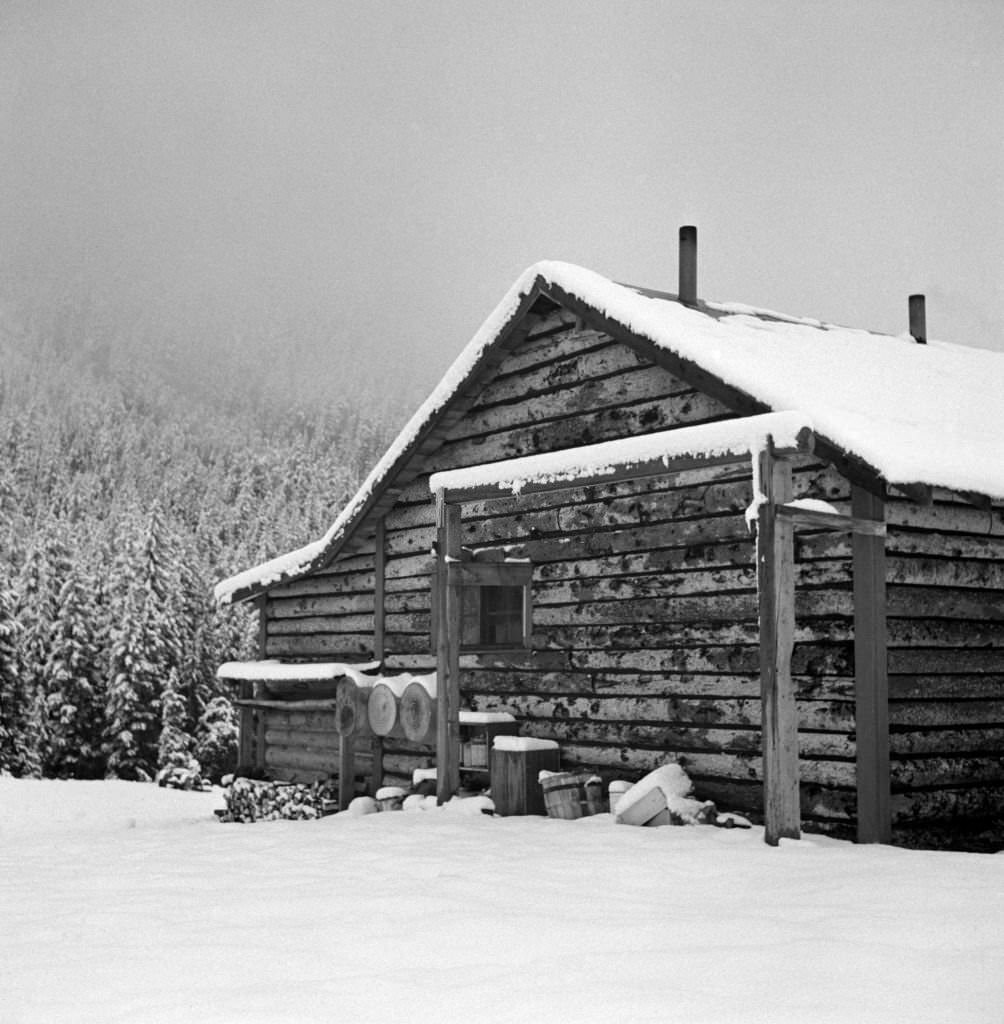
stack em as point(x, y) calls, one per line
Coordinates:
point(384, 706)
point(249, 800)
point(418, 713)
point(351, 703)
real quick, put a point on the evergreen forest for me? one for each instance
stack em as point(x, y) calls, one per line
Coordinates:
point(139, 467)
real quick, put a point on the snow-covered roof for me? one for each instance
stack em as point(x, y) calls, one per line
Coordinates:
point(271, 671)
point(728, 437)
point(929, 414)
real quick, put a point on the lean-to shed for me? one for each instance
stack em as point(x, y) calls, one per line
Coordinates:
point(647, 526)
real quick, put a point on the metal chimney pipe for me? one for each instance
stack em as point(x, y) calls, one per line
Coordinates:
point(918, 319)
point(688, 265)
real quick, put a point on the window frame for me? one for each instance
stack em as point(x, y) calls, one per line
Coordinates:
point(482, 575)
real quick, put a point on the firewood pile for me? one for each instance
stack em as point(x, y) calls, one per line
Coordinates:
point(249, 800)
point(173, 777)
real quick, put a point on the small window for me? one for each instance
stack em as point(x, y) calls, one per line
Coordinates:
point(492, 616)
point(495, 605)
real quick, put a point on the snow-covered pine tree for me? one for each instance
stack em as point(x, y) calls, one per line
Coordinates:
point(216, 739)
point(74, 686)
point(13, 698)
point(145, 650)
point(176, 743)
point(35, 610)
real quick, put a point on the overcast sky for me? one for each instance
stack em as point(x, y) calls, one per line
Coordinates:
point(388, 169)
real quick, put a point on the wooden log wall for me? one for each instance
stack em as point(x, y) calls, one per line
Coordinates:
point(645, 614)
point(945, 580)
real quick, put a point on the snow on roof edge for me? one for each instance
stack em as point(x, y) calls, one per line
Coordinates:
point(724, 437)
point(700, 338)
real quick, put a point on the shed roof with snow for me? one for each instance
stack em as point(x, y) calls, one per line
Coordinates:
point(880, 404)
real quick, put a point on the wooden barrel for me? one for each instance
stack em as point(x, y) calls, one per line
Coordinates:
point(351, 702)
point(418, 714)
point(572, 794)
point(382, 710)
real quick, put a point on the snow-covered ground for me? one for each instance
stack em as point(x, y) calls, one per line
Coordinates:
point(125, 902)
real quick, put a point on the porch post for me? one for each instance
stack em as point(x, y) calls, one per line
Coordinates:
point(776, 590)
point(447, 649)
point(871, 680)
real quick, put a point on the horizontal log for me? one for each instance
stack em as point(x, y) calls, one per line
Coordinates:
point(315, 721)
point(911, 660)
point(281, 705)
point(684, 739)
point(946, 771)
point(945, 518)
point(638, 537)
point(637, 384)
point(944, 633)
point(320, 623)
point(944, 687)
point(958, 802)
point(808, 659)
point(293, 757)
point(325, 583)
point(968, 740)
point(406, 644)
point(596, 362)
point(692, 685)
point(944, 545)
point(634, 588)
point(945, 572)
point(320, 604)
point(665, 560)
point(333, 647)
point(943, 713)
point(575, 431)
point(819, 715)
point(302, 738)
point(299, 689)
point(721, 608)
point(401, 571)
point(567, 418)
point(944, 602)
point(696, 634)
point(701, 766)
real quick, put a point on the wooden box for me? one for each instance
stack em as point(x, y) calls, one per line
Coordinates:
point(515, 789)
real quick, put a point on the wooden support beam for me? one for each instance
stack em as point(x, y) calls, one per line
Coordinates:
point(813, 519)
point(262, 603)
point(871, 682)
point(379, 641)
point(346, 770)
point(245, 752)
point(448, 550)
point(776, 589)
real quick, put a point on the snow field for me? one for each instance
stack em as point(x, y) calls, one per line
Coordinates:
point(126, 902)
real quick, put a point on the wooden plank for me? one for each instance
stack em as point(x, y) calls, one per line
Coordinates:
point(245, 756)
point(285, 705)
point(638, 470)
point(379, 605)
point(811, 518)
point(871, 675)
point(448, 619)
point(309, 605)
point(776, 592)
point(346, 770)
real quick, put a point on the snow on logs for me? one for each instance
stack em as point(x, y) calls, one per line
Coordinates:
point(418, 710)
point(394, 706)
point(351, 708)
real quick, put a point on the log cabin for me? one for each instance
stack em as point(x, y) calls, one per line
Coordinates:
point(653, 527)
